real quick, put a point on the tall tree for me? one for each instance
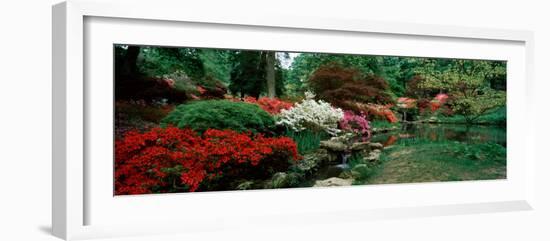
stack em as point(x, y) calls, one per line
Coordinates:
point(256, 72)
point(159, 61)
point(248, 73)
point(126, 58)
point(305, 64)
point(270, 73)
point(216, 63)
point(348, 88)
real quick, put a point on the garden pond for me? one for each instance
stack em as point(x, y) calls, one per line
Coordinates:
point(444, 132)
point(422, 152)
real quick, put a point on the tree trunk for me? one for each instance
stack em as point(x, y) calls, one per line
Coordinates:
point(130, 63)
point(270, 74)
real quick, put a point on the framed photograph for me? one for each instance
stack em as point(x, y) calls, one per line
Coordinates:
point(167, 122)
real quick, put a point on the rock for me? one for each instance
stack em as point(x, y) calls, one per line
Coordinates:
point(345, 175)
point(333, 145)
point(282, 180)
point(376, 146)
point(360, 146)
point(333, 182)
point(332, 171)
point(373, 156)
point(312, 160)
point(245, 185)
point(333, 157)
point(279, 180)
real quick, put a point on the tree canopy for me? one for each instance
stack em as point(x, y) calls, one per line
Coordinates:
point(474, 86)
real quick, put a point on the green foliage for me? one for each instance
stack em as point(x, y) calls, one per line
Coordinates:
point(468, 82)
point(306, 140)
point(157, 61)
point(248, 74)
point(217, 63)
point(359, 168)
point(398, 71)
point(220, 114)
point(361, 172)
point(188, 67)
point(474, 106)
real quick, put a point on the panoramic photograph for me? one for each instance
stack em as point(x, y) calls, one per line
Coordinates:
point(201, 119)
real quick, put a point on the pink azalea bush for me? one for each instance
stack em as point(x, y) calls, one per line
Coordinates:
point(357, 124)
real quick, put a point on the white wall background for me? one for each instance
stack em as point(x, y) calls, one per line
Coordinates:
point(25, 119)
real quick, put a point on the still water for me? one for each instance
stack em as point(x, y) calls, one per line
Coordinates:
point(445, 132)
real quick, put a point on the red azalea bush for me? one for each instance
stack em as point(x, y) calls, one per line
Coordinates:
point(438, 101)
point(438, 104)
point(271, 105)
point(173, 159)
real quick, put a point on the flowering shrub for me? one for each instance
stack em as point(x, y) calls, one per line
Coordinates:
point(312, 115)
point(357, 124)
point(173, 159)
point(438, 101)
point(406, 103)
point(273, 106)
point(378, 111)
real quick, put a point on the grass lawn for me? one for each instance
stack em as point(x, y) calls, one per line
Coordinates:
point(415, 161)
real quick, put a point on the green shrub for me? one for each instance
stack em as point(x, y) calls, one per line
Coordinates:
point(220, 114)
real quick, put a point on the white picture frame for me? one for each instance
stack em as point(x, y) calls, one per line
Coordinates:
point(77, 197)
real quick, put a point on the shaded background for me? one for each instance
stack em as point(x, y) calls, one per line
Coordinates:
point(25, 119)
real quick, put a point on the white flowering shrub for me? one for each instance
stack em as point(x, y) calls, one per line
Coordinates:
point(312, 115)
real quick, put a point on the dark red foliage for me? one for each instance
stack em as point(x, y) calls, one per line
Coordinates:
point(212, 89)
point(149, 89)
point(173, 159)
point(344, 86)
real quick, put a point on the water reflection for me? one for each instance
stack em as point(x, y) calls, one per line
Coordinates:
point(442, 132)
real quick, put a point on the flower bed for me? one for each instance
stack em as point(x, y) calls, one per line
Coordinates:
point(173, 159)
